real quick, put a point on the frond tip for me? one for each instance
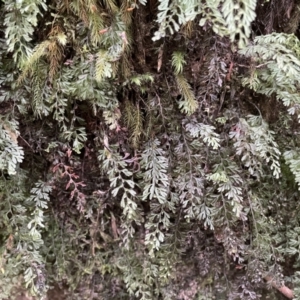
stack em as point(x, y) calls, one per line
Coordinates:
point(103, 66)
point(178, 62)
point(188, 104)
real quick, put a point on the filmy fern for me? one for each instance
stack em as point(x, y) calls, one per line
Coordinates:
point(20, 19)
point(156, 188)
point(10, 153)
point(278, 58)
point(178, 62)
point(253, 140)
point(188, 104)
point(121, 182)
point(233, 19)
point(134, 122)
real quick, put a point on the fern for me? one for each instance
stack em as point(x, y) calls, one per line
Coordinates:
point(179, 195)
point(233, 19)
point(134, 122)
point(89, 13)
point(121, 180)
point(103, 66)
point(32, 60)
point(279, 57)
point(50, 48)
point(293, 160)
point(112, 118)
point(40, 104)
point(188, 104)
point(238, 16)
point(10, 153)
point(20, 21)
point(178, 62)
point(172, 15)
point(206, 132)
point(254, 140)
point(156, 189)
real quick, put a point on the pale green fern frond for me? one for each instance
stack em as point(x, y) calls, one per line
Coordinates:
point(39, 51)
point(141, 78)
point(239, 15)
point(292, 158)
point(178, 61)
point(188, 104)
point(40, 105)
point(112, 118)
point(278, 56)
point(103, 66)
point(61, 38)
point(230, 17)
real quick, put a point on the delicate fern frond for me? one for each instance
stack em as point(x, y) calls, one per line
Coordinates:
point(91, 15)
point(178, 62)
point(254, 141)
point(188, 104)
point(239, 15)
point(40, 105)
point(140, 79)
point(228, 17)
point(29, 66)
point(172, 15)
point(292, 158)
point(206, 132)
point(112, 118)
point(134, 122)
point(10, 153)
point(111, 5)
point(55, 54)
point(280, 55)
point(103, 66)
point(20, 19)
point(156, 188)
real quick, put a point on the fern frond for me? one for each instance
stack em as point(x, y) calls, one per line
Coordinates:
point(80, 9)
point(55, 54)
point(39, 105)
point(128, 113)
point(239, 16)
point(189, 103)
point(112, 118)
point(61, 38)
point(188, 28)
point(137, 127)
point(126, 10)
point(103, 66)
point(11, 127)
point(89, 13)
point(134, 122)
point(125, 66)
point(111, 5)
point(178, 62)
point(39, 51)
point(96, 24)
point(141, 78)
